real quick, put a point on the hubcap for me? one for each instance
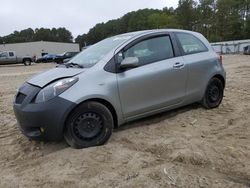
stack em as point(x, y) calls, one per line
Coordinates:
point(88, 126)
point(213, 93)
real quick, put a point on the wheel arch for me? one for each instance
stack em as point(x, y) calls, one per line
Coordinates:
point(204, 101)
point(221, 78)
point(101, 101)
point(27, 58)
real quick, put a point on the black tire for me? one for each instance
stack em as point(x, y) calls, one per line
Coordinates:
point(214, 94)
point(90, 124)
point(59, 61)
point(27, 62)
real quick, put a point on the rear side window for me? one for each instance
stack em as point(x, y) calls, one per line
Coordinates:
point(11, 54)
point(151, 50)
point(68, 54)
point(190, 44)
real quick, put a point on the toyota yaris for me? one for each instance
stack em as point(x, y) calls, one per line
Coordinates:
point(118, 80)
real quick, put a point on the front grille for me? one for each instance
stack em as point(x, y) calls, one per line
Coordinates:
point(20, 98)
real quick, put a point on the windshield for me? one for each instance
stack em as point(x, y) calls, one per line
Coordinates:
point(96, 52)
point(3, 54)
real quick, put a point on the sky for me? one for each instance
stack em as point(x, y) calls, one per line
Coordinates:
point(78, 16)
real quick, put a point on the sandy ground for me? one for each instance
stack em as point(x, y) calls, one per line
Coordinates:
point(188, 147)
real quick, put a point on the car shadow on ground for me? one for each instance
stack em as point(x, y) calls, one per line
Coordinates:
point(51, 147)
point(12, 65)
point(147, 121)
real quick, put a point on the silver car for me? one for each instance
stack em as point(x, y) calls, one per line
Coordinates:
point(118, 80)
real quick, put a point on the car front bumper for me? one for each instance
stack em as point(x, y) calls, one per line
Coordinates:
point(41, 121)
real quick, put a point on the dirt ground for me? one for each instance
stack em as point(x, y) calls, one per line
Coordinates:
point(188, 147)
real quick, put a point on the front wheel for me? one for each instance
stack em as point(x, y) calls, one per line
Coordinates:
point(60, 61)
point(214, 94)
point(90, 124)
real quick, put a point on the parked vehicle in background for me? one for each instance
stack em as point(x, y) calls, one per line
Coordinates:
point(85, 47)
point(247, 50)
point(118, 80)
point(67, 55)
point(47, 58)
point(10, 57)
point(66, 60)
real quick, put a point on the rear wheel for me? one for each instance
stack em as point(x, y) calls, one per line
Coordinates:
point(214, 94)
point(27, 62)
point(90, 124)
point(59, 61)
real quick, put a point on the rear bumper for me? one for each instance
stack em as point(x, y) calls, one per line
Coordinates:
point(42, 121)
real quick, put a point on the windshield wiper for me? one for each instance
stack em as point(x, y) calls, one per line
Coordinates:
point(73, 65)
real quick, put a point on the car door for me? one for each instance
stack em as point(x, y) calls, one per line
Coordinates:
point(158, 82)
point(12, 58)
point(4, 58)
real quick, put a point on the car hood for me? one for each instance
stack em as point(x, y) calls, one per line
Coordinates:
point(47, 77)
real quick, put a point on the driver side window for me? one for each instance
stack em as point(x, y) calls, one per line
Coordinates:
point(151, 50)
point(3, 54)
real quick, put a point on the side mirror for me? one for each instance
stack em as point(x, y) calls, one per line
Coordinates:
point(129, 62)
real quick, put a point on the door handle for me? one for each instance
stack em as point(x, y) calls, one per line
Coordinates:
point(178, 65)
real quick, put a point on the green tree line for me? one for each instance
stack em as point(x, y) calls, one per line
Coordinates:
point(42, 34)
point(217, 20)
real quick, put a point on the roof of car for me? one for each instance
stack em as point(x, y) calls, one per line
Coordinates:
point(137, 33)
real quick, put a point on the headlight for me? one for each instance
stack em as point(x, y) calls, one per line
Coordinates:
point(55, 89)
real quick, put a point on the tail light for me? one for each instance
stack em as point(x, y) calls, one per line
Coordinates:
point(221, 59)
